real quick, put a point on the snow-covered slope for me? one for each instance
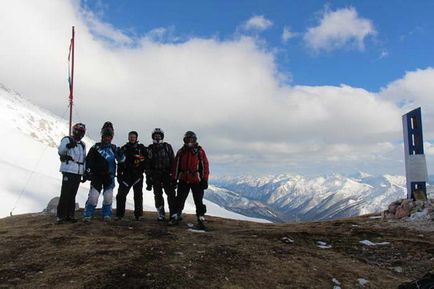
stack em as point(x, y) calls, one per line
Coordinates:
point(29, 163)
point(292, 197)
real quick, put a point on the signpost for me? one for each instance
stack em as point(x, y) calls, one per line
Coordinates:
point(415, 162)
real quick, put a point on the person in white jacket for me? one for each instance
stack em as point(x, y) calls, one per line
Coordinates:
point(72, 152)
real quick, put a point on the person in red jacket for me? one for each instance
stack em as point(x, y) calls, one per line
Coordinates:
point(190, 171)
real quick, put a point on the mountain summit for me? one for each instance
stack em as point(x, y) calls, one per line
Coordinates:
point(362, 252)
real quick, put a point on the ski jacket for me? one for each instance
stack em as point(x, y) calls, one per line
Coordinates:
point(161, 157)
point(136, 160)
point(101, 159)
point(73, 159)
point(191, 165)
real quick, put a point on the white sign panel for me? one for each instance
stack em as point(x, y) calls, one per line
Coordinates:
point(416, 168)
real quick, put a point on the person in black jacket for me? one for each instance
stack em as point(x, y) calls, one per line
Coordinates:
point(100, 169)
point(130, 174)
point(158, 177)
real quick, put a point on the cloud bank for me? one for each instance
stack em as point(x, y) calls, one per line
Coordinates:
point(228, 91)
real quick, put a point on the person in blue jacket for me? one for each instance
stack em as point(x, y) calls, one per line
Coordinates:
point(100, 169)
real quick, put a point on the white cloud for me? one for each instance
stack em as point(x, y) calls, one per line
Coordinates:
point(415, 89)
point(103, 30)
point(227, 91)
point(287, 34)
point(258, 22)
point(338, 29)
point(383, 54)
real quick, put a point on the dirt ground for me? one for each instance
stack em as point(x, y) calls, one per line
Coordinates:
point(35, 253)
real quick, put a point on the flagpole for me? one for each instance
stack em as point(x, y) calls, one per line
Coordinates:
point(71, 80)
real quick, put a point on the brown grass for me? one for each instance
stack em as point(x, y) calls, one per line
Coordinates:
point(35, 253)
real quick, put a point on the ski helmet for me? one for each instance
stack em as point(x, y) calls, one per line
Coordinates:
point(107, 124)
point(107, 129)
point(78, 130)
point(190, 134)
point(157, 131)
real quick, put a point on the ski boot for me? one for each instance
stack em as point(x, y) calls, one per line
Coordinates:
point(60, 221)
point(161, 214)
point(201, 223)
point(174, 220)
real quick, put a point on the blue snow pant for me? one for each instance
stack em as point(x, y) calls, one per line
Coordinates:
point(106, 184)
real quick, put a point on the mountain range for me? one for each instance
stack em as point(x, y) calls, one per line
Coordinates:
point(30, 178)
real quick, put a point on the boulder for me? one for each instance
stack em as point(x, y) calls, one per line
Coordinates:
point(392, 207)
point(403, 210)
point(52, 206)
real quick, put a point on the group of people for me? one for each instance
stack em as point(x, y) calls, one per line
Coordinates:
point(164, 171)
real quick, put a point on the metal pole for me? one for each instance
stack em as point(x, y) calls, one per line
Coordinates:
point(71, 82)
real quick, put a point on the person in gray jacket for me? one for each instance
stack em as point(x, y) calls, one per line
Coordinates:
point(72, 152)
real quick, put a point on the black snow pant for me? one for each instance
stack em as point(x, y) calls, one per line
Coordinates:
point(66, 206)
point(160, 181)
point(182, 194)
point(123, 190)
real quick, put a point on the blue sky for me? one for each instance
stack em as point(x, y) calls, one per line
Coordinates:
point(403, 40)
point(307, 87)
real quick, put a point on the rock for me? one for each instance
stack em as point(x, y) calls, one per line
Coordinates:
point(388, 215)
point(52, 206)
point(392, 207)
point(397, 269)
point(287, 240)
point(362, 282)
point(403, 210)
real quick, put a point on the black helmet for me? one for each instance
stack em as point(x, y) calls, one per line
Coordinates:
point(107, 124)
point(157, 131)
point(107, 129)
point(190, 134)
point(78, 130)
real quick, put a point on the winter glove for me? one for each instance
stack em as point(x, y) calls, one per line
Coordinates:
point(72, 144)
point(149, 187)
point(121, 171)
point(174, 184)
point(86, 176)
point(204, 184)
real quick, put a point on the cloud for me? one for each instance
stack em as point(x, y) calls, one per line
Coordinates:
point(103, 30)
point(287, 34)
point(415, 89)
point(383, 54)
point(339, 29)
point(228, 91)
point(258, 23)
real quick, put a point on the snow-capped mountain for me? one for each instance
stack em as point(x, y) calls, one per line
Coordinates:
point(291, 197)
point(30, 178)
point(29, 163)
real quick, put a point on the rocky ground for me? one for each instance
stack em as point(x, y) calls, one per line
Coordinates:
point(35, 253)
